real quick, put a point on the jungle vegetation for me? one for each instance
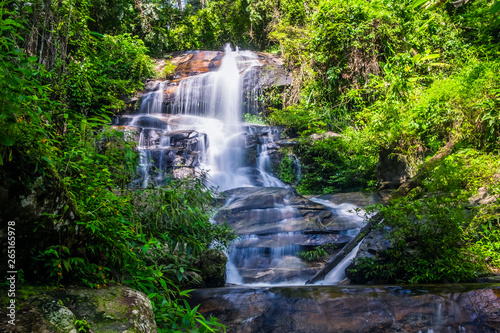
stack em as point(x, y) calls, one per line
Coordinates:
point(418, 79)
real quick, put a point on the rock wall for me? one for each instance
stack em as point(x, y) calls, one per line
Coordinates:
point(392, 169)
point(270, 73)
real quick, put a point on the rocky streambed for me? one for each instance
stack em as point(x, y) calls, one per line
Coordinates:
point(275, 225)
point(320, 309)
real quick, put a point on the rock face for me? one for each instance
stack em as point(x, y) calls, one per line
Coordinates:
point(373, 246)
point(392, 170)
point(113, 309)
point(276, 224)
point(195, 62)
point(176, 144)
point(353, 309)
point(267, 70)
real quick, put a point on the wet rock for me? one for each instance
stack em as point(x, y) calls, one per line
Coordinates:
point(271, 241)
point(247, 198)
point(373, 246)
point(353, 309)
point(188, 139)
point(257, 210)
point(276, 225)
point(113, 309)
point(152, 85)
point(361, 199)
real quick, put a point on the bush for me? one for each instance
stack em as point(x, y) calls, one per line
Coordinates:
point(438, 232)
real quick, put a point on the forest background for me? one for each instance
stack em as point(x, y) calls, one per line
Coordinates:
point(418, 81)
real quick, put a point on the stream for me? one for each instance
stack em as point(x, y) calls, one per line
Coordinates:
point(200, 129)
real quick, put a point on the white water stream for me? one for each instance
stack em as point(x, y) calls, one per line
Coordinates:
point(206, 116)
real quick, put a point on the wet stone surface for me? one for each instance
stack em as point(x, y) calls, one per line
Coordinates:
point(354, 309)
point(276, 225)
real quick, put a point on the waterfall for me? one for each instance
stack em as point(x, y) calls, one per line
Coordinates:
point(264, 163)
point(194, 125)
point(217, 97)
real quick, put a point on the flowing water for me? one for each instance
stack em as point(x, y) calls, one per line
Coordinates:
point(202, 131)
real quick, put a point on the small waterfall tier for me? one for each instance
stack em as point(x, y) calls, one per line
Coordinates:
point(275, 225)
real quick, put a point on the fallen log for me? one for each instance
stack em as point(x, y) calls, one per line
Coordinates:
point(320, 275)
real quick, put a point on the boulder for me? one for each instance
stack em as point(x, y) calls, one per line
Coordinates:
point(392, 169)
point(482, 197)
point(152, 85)
point(184, 172)
point(211, 266)
point(373, 246)
point(325, 135)
point(111, 309)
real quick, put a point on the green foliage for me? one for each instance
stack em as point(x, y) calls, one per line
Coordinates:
point(318, 253)
point(82, 326)
point(437, 233)
point(331, 165)
point(312, 255)
point(287, 169)
point(115, 67)
point(254, 119)
point(168, 70)
point(104, 232)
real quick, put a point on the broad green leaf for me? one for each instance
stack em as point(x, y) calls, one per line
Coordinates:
point(418, 3)
point(7, 140)
point(496, 7)
point(46, 159)
point(430, 56)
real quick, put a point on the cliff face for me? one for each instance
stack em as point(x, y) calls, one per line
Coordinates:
point(267, 70)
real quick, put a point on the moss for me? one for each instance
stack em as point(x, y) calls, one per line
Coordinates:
point(111, 309)
point(59, 316)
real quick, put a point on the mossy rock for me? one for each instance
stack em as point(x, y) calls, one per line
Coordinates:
point(112, 309)
point(211, 267)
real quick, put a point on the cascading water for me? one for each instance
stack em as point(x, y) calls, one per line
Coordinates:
point(217, 96)
point(202, 130)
